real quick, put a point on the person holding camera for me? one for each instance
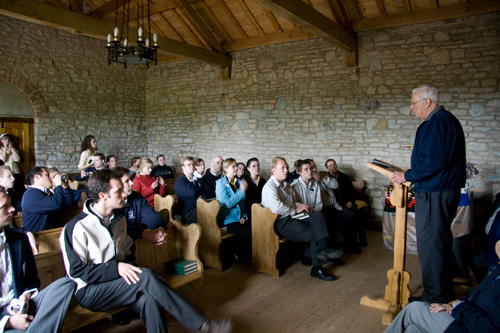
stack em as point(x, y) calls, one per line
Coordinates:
point(11, 158)
point(146, 184)
point(22, 306)
point(39, 204)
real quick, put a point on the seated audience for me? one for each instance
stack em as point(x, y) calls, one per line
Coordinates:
point(102, 265)
point(88, 150)
point(230, 192)
point(39, 204)
point(79, 196)
point(199, 164)
point(278, 196)
point(7, 180)
point(142, 221)
point(41, 310)
point(188, 189)
point(346, 196)
point(111, 161)
point(255, 185)
point(240, 170)
point(134, 166)
point(477, 312)
point(335, 214)
point(162, 170)
point(147, 185)
point(98, 164)
point(11, 158)
point(211, 176)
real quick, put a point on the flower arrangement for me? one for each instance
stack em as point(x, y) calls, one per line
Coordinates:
point(471, 172)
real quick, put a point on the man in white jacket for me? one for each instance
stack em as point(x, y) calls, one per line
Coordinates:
point(98, 257)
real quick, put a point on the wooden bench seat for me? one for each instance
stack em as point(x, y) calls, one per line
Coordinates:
point(265, 241)
point(212, 236)
point(182, 242)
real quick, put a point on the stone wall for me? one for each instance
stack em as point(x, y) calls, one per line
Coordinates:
point(295, 100)
point(299, 100)
point(74, 93)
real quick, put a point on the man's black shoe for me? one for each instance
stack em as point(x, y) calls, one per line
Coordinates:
point(353, 249)
point(121, 318)
point(330, 253)
point(306, 261)
point(414, 299)
point(321, 273)
point(338, 262)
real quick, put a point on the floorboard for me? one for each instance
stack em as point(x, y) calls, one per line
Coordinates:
point(296, 302)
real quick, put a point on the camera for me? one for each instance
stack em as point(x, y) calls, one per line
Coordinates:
point(64, 177)
point(16, 306)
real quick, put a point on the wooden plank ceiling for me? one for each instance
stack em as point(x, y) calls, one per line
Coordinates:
point(208, 30)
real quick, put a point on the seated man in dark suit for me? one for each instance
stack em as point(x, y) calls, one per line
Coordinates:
point(211, 176)
point(188, 189)
point(477, 312)
point(142, 221)
point(38, 204)
point(44, 310)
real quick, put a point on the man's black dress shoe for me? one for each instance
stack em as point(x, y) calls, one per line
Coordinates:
point(306, 261)
point(329, 253)
point(414, 299)
point(338, 262)
point(321, 273)
point(121, 318)
point(353, 249)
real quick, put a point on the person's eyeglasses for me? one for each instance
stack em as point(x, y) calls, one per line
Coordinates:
point(413, 103)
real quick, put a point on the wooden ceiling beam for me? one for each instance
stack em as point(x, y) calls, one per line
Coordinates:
point(427, 15)
point(107, 8)
point(340, 14)
point(199, 24)
point(215, 21)
point(381, 7)
point(231, 17)
point(273, 20)
point(298, 12)
point(406, 5)
point(252, 19)
point(188, 28)
point(269, 39)
point(166, 21)
point(76, 6)
point(63, 19)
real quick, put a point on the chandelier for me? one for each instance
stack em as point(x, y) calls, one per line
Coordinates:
point(123, 52)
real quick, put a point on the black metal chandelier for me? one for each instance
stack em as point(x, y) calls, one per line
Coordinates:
point(122, 52)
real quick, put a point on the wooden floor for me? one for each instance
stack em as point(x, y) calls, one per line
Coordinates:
point(296, 302)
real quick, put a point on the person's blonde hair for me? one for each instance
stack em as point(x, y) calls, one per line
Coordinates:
point(187, 158)
point(227, 163)
point(146, 161)
point(276, 160)
point(2, 168)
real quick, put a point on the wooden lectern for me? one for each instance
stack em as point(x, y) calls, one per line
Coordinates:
point(396, 291)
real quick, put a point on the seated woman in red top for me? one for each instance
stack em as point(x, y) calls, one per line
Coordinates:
point(148, 185)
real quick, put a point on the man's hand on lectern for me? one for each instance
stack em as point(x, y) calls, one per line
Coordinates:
point(398, 177)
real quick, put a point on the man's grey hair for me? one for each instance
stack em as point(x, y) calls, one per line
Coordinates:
point(427, 92)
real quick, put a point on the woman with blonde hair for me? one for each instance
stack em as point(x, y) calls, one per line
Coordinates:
point(146, 184)
point(230, 192)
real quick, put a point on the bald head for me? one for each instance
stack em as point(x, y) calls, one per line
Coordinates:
point(216, 164)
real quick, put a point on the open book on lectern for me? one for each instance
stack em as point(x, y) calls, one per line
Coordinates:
point(386, 165)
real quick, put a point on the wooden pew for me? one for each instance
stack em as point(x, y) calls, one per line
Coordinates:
point(165, 203)
point(265, 241)
point(211, 234)
point(182, 242)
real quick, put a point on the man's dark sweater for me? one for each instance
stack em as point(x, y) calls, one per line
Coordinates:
point(140, 216)
point(39, 208)
point(209, 183)
point(187, 193)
